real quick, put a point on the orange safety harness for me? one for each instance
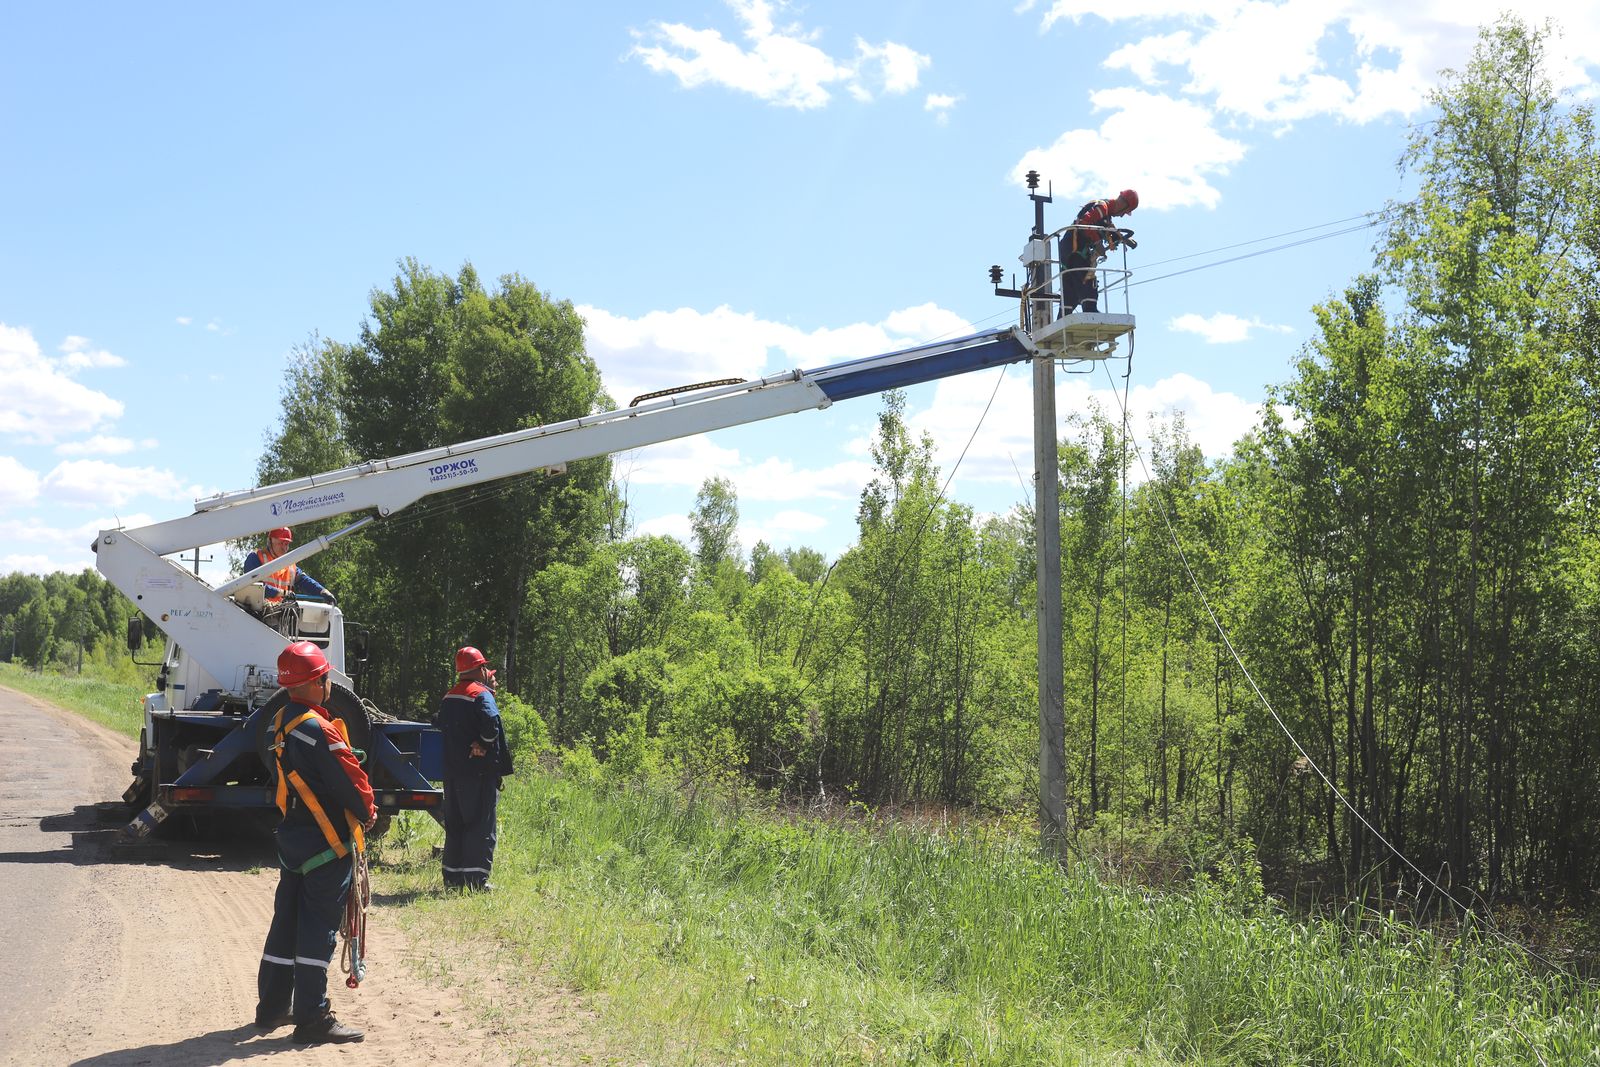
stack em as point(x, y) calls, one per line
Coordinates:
point(352, 957)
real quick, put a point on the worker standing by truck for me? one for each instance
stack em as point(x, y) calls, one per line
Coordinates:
point(289, 579)
point(476, 761)
point(325, 799)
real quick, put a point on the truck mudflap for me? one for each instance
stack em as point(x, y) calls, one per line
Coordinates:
point(239, 772)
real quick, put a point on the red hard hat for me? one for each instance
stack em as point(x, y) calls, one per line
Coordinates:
point(282, 533)
point(300, 663)
point(468, 659)
point(1129, 198)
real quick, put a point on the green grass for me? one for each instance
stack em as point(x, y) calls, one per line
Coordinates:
point(709, 933)
point(706, 934)
point(113, 704)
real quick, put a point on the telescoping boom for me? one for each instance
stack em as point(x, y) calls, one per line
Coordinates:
point(221, 666)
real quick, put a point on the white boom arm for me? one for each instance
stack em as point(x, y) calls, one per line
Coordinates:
point(231, 644)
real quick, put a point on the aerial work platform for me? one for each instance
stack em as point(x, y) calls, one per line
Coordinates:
point(1084, 335)
point(1054, 287)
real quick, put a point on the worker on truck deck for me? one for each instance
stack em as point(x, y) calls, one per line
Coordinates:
point(476, 761)
point(288, 579)
point(1084, 246)
point(324, 795)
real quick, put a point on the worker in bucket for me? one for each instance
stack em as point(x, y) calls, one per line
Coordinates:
point(326, 802)
point(476, 761)
point(1084, 246)
point(276, 583)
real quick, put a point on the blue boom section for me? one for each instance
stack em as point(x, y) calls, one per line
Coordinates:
point(925, 363)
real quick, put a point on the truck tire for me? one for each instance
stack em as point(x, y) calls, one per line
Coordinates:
point(142, 791)
point(342, 705)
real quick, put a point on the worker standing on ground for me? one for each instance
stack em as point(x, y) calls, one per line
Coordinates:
point(289, 579)
point(476, 760)
point(1084, 246)
point(324, 796)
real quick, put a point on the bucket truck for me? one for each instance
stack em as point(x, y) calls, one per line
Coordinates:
point(205, 742)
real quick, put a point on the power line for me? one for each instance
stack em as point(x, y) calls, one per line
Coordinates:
point(1287, 233)
point(1252, 255)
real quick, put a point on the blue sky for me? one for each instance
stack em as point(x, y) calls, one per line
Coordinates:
point(724, 188)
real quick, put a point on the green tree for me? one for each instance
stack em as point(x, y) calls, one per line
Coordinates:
point(714, 524)
point(36, 632)
point(440, 361)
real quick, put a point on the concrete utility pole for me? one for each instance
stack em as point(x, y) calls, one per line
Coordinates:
point(1047, 540)
point(1091, 335)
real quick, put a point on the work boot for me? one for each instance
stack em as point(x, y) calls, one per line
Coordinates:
point(271, 1020)
point(326, 1031)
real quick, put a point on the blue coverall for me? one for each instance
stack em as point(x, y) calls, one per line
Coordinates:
point(309, 906)
point(467, 715)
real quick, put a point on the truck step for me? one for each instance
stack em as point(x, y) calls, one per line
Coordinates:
point(146, 821)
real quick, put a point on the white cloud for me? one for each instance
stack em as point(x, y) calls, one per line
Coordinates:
point(796, 521)
point(688, 462)
point(93, 482)
point(18, 484)
point(941, 105)
point(665, 526)
point(1223, 328)
point(184, 320)
point(779, 480)
point(685, 462)
point(781, 66)
point(668, 348)
point(103, 445)
point(36, 564)
point(1215, 421)
point(79, 356)
point(786, 529)
point(1358, 60)
point(1234, 65)
point(38, 548)
point(1166, 148)
point(40, 401)
point(34, 531)
point(901, 67)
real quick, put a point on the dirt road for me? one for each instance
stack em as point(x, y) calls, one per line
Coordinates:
point(147, 954)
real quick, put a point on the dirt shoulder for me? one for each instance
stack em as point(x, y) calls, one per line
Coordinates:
point(147, 954)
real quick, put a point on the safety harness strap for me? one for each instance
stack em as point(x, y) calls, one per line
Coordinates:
point(335, 846)
point(327, 855)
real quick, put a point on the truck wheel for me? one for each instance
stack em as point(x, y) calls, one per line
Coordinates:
point(142, 791)
point(343, 705)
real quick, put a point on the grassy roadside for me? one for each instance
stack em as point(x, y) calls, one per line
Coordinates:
point(705, 934)
point(112, 704)
point(702, 933)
